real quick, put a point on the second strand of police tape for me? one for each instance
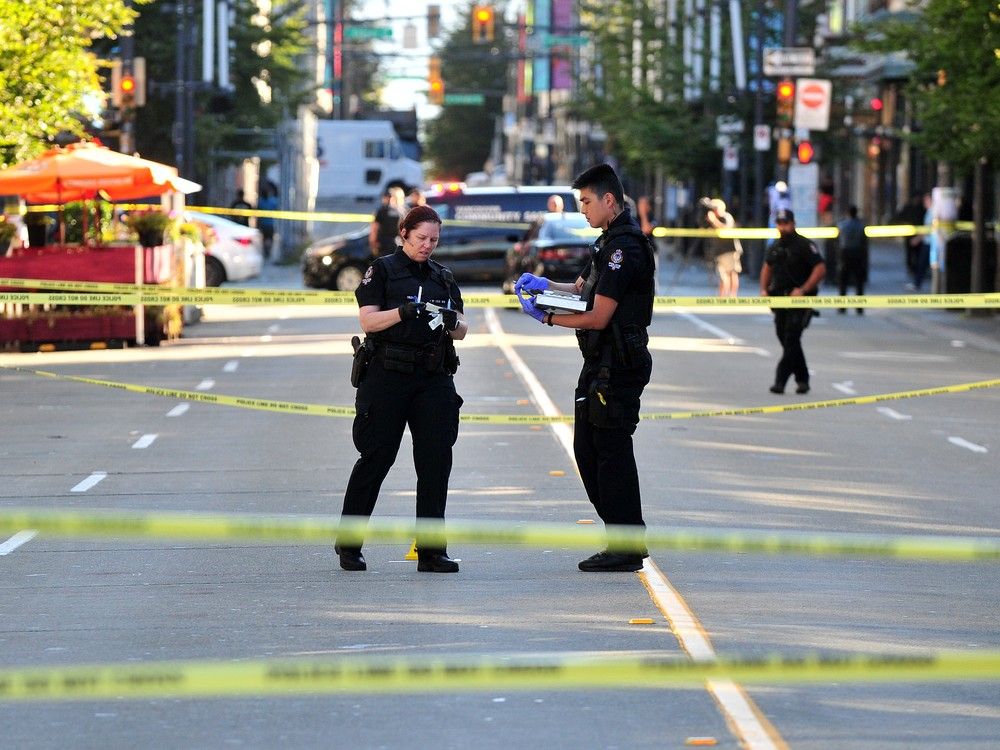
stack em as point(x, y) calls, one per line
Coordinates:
point(326, 410)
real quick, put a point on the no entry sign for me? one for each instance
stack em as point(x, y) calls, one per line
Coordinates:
point(812, 103)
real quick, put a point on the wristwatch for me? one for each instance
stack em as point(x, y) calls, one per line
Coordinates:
point(548, 318)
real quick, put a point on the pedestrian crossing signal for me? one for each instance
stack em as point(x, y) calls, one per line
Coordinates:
point(805, 152)
point(483, 28)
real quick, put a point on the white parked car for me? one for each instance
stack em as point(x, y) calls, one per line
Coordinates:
point(237, 253)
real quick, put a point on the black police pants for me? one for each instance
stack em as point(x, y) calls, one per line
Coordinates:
point(387, 402)
point(605, 455)
point(788, 325)
point(852, 271)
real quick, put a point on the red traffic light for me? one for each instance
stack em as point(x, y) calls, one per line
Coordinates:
point(805, 152)
point(876, 104)
point(786, 90)
point(484, 15)
point(127, 85)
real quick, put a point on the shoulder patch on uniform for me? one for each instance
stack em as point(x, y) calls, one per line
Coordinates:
point(616, 260)
point(368, 275)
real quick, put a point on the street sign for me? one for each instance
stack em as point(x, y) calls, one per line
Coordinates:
point(563, 40)
point(789, 61)
point(367, 32)
point(762, 137)
point(730, 158)
point(729, 124)
point(812, 104)
point(473, 99)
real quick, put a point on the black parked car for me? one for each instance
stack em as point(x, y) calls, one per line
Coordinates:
point(556, 247)
point(480, 226)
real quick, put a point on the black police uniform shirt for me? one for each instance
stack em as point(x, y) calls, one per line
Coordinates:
point(792, 260)
point(623, 264)
point(395, 280)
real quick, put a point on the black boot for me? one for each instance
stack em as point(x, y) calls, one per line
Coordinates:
point(435, 562)
point(351, 558)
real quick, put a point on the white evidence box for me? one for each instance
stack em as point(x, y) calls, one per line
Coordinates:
point(560, 302)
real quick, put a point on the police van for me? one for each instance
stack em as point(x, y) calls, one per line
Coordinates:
point(481, 225)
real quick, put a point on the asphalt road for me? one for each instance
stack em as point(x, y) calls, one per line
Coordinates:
point(923, 466)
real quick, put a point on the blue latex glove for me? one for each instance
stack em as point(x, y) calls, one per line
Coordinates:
point(528, 305)
point(531, 284)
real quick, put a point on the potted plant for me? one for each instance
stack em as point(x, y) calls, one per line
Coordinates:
point(38, 228)
point(149, 225)
point(7, 232)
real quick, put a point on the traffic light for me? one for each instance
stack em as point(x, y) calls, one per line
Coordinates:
point(876, 104)
point(784, 151)
point(128, 89)
point(805, 152)
point(433, 21)
point(785, 100)
point(482, 24)
point(435, 84)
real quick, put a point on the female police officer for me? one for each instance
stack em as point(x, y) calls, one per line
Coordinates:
point(411, 311)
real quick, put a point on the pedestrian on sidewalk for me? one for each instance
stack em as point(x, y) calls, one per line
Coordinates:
point(852, 255)
point(618, 287)
point(241, 204)
point(792, 267)
point(726, 252)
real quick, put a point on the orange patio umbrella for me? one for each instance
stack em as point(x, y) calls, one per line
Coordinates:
point(87, 170)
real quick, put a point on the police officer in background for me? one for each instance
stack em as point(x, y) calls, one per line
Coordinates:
point(618, 286)
point(792, 267)
point(411, 311)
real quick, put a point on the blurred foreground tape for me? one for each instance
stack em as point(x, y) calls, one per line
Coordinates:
point(352, 675)
point(327, 529)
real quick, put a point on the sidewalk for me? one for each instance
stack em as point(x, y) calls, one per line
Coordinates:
point(887, 275)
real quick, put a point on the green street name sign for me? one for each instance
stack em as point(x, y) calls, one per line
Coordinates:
point(474, 99)
point(563, 40)
point(368, 32)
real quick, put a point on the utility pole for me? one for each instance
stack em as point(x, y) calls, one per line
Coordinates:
point(180, 101)
point(126, 140)
point(758, 118)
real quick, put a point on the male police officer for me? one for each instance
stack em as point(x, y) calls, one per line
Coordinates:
point(618, 287)
point(793, 267)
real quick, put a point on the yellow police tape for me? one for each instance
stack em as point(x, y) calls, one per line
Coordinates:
point(327, 410)
point(488, 672)
point(327, 530)
point(101, 293)
point(749, 233)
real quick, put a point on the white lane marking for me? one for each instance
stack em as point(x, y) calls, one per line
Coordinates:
point(708, 327)
point(892, 413)
point(178, 410)
point(205, 385)
point(265, 339)
point(90, 481)
point(963, 443)
point(750, 726)
point(274, 328)
point(563, 432)
point(231, 366)
point(958, 343)
point(846, 388)
point(747, 722)
point(21, 537)
point(145, 441)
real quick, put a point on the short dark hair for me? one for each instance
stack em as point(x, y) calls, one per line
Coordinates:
point(852, 211)
point(417, 215)
point(602, 180)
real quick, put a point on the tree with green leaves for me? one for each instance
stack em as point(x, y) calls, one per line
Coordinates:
point(955, 49)
point(459, 139)
point(49, 79)
point(268, 80)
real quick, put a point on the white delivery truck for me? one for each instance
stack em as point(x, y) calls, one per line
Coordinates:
point(358, 160)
